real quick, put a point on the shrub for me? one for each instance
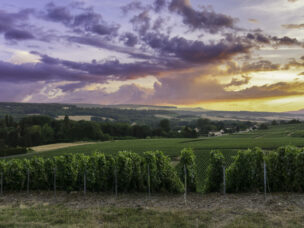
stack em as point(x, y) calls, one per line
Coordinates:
point(214, 180)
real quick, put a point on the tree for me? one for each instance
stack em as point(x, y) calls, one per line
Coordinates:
point(47, 133)
point(9, 121)
point(263, 126)
point(165, 125)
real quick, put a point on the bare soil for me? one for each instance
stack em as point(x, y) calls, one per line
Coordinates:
point(58, 146)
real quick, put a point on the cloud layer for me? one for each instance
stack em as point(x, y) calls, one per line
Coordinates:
point(195, 53)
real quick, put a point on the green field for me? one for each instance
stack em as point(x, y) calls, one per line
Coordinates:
point(268, 139)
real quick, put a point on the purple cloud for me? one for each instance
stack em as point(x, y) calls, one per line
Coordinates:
point(86, 21)
point(11, 25)
point(16, 34)
point(207, 20)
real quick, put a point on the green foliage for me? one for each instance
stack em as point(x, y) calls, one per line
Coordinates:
point(298, 133)
point(281, 167)
point(130, 168)
point(15, 174)
point(66, 172)
point(49, 166)
point(38, 176)
point(8, 151)
point(299, 178)
point(214, 180)
point(187, 160)
point(162, 175)
point(246, 172)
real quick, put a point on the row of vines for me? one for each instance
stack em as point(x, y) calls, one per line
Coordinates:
point(131, 172)
point(284, 171)
point(126, 171)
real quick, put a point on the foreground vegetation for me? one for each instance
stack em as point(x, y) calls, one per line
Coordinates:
point(153, 171)
point(41, 209)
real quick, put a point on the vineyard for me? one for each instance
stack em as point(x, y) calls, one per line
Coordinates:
point(269, 139)
point(154, 172)
point(126, 172)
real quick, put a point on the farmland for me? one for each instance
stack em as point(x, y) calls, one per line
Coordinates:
point(268, 139)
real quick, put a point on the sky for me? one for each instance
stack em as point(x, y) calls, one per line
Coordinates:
point(221, 55)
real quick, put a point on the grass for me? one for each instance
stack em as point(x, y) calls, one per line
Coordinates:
point(268, 139)
point(250, 210)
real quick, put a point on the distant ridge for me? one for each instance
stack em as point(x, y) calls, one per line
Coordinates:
point(141, 107)
point(299, 112)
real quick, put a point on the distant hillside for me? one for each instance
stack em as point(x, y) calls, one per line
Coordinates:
point(140, 114)
point(299, 112)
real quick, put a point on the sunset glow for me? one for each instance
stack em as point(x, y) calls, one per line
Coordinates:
point(219, 55)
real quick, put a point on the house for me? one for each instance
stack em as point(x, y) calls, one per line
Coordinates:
point(216, 133)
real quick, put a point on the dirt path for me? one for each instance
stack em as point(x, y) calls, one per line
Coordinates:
point(58, 146)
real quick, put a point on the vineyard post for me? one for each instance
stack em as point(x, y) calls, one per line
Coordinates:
point(84, 183)
point(265, 179)
point(1, 183)
point(55, 182)
point(224, 180)
point(185, 194)
point(115, 176)
point(149, 187)
point(28, 181)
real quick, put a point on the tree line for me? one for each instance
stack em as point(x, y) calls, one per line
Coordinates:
point(39, 130)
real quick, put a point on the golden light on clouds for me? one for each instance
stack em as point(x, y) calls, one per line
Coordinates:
point(112, 86)
point(271, 104)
